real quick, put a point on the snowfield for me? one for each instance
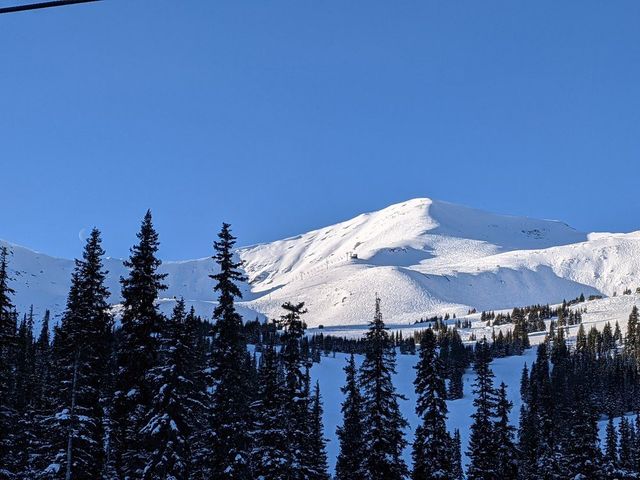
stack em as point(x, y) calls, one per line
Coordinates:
point(423, 257)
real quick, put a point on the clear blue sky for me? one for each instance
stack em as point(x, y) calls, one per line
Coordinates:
point(280, 117)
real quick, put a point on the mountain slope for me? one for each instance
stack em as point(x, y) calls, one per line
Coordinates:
point(422, 256)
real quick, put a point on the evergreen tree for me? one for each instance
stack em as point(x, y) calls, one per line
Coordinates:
point(137, 351)
point(270, 431)
point(74, 432)
point(582, 454)
point(8, 346)
point(611, 443)
point(504, 432)
point(317, 452)
point(432, 445)
point(625, 451)
point(524, 384)
point(482, 451)
point(23, 395)
point(350, 464)
point(230, 421)
point(296, 388)
point(456, 456)
point(632, 342)
point(458, 355)
point(176, 407)
point(384, 423)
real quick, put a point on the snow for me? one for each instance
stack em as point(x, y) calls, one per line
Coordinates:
point(423, 257)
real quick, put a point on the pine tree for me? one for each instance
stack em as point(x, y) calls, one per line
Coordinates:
point(524, 384)
point(270, 430)
point(318, 455)
point(75, 435)
point(582, 454)
point(41, 403)
point(482, 451)
point(8, 347)
point(296, 390)
point(458, 354)
point(611, 443)
point(625, 450)
point(231, 422)
point(175, 408)
point(456, 456)
point(632, 342)
point(432, 445)
point(384, 423)
point(350, 464)
point(504, 432)
point(195, 336)
point(137, 351)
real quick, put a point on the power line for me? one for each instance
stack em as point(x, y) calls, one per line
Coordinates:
point(35, 6)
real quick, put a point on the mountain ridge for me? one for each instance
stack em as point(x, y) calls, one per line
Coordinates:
point(423, 256)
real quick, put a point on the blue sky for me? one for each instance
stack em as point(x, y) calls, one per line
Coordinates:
point(280, 117)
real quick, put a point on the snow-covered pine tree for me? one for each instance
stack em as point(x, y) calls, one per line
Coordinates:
point(350, 463)
point(432, 445)
point(232, 395)
point(318, 467)
point(384, 423)
point(271, 444)
point(74, 430)
point(175, 410)
point(136, 351)
point(505, 456)
point(482, 450)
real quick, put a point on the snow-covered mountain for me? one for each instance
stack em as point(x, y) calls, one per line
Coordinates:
point(423, 257)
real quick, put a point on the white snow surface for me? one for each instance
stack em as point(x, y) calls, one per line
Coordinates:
point(423, 257)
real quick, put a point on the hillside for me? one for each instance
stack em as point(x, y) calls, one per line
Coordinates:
point(422, 256)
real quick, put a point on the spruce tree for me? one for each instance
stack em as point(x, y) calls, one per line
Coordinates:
point(137, 351)
point(270, 429)
point(296, 390)
point(317, 452)
point(482, 451)
point(458, 355)
point(8, 346)
point(432, 445)
point(582, 455)
point(632, 341)
point(350, 463)
point(384, 435)
point(611, 443)
point(456, 456)
point(504, 432)
point(75, 435)
point(175, 409)
point(230, 413)
point(625, 451)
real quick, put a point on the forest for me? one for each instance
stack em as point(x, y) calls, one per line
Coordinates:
point(130, 393)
